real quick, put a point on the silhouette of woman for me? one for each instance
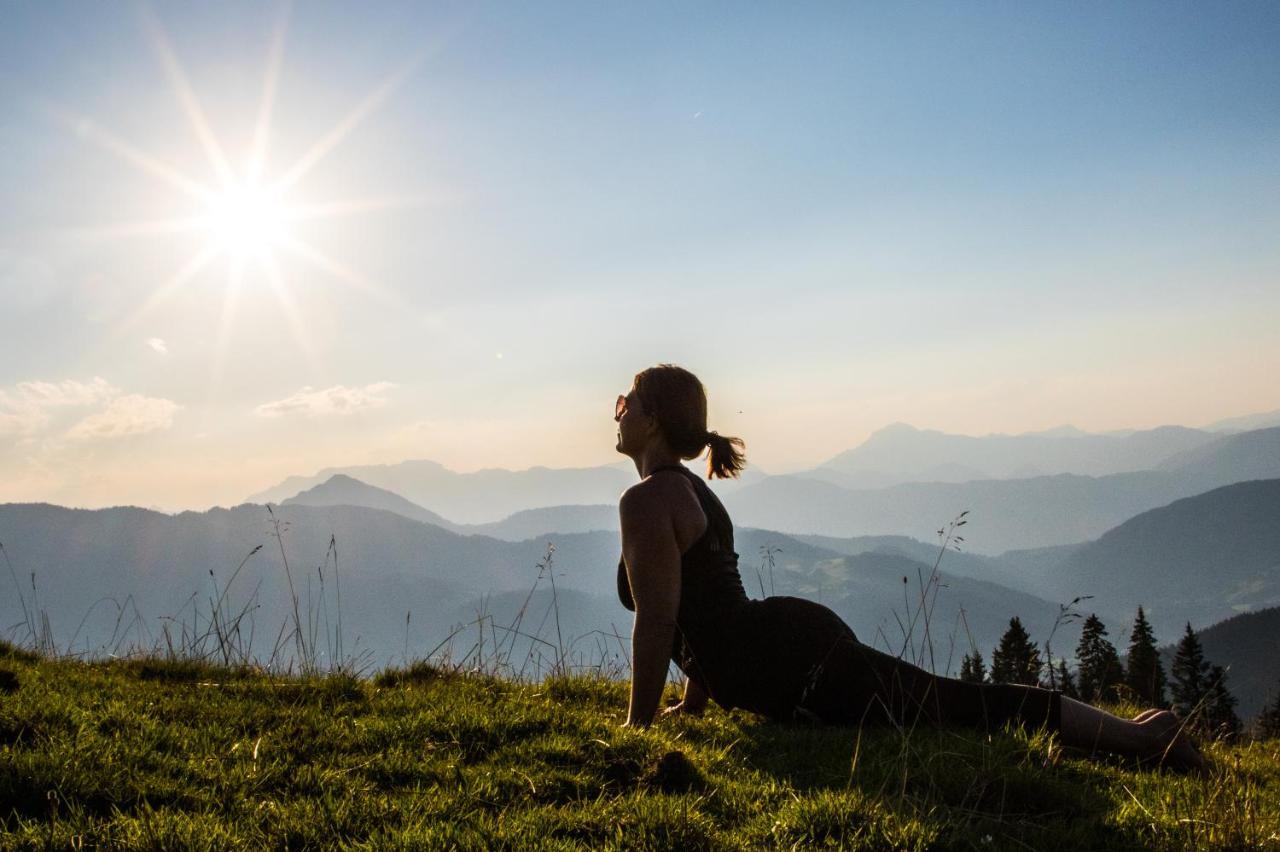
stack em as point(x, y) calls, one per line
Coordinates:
point(786, 657)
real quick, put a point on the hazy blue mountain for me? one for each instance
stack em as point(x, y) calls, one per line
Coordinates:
point(1235, 458)
point(487, 496)
point(1248, 422)
point(865, 478)
point(901, 453)
point(343, 490)
point(1004, 514)
point(1199, 559)
point(959, 563)
point(479, 497)
point(1025, 569)
point(406, 583)
point(1249, 644)
point(532, 523)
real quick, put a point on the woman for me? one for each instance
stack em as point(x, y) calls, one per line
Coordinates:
point(785, 657)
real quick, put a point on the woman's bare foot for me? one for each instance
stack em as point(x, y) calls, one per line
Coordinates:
point(1170, 745)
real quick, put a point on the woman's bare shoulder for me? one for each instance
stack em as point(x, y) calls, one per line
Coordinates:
point(666, 492)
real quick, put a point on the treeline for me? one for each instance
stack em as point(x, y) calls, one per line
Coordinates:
point(1194, 688)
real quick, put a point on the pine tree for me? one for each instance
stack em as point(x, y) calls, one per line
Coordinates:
point(972, 668)
point(1269, 721)
point(1016, 659)
point(1098, 663)
point(1220, 706)
point(1064, 682)
point(1144, 673)
point(1189, 674)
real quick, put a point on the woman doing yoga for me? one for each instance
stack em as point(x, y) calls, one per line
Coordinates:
point(786, 657)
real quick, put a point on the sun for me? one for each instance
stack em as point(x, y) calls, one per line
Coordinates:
point(243, 215)
point(246, 219)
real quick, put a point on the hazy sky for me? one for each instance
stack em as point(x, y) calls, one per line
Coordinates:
point(970, 217)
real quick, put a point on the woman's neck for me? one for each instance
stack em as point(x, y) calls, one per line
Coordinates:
point(652, 459)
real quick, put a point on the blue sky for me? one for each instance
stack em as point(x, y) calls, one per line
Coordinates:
point(973, 217)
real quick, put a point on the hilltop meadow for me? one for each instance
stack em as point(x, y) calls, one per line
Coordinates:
point(157, 752)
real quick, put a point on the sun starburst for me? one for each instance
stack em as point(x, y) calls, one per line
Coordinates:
point(245, 217)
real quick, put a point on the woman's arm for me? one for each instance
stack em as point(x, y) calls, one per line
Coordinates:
point(653, 570)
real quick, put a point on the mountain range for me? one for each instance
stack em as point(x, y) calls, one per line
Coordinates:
point(485, 496)
point(421, 550)
point(86, 565)
point(405, 583)
point(343, 490)
point(1004, 514)
point(901, 453)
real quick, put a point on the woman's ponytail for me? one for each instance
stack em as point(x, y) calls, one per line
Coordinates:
point(676, 399)
point(727, 456)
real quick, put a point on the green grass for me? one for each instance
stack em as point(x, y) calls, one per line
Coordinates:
point(179, 754)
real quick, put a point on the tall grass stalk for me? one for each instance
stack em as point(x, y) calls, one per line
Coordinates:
point(950, 539)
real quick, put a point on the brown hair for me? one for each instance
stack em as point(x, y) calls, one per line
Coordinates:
point(677, 400)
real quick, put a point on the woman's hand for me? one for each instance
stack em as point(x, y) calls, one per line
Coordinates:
point(684, 708)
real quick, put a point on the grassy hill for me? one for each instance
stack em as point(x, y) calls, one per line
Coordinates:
point(157, 754)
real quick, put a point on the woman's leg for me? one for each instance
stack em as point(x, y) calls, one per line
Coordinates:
point(860, 684)
point(857, 683)
point(1154, 735)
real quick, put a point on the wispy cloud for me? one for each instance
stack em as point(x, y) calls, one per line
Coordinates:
point(26, 408)
point(158, 345)
point(338, 399)
point(127, 415)
point(40, 411)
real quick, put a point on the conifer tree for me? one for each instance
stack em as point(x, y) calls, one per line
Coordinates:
point(1269, 721)
point(1144, 673)
point(1064, 682)
point(1220, 706)
point(1098, 664)
point(972, 668)
point(1189, 674)
point(1016, 659)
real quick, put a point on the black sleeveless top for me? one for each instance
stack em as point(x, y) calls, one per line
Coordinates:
point(711, 591)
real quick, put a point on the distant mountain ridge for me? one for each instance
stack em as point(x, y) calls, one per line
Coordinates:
point(1012, 514)
point(486, 496)
point(472, 498)
point(1199, 559)
point(1005, 514)
point(901, 453)
point(1247, 422)
point(343, 490)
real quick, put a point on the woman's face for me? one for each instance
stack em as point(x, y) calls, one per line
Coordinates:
point(632, 423)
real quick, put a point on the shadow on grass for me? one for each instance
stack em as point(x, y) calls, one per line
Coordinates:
point(962, 786)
